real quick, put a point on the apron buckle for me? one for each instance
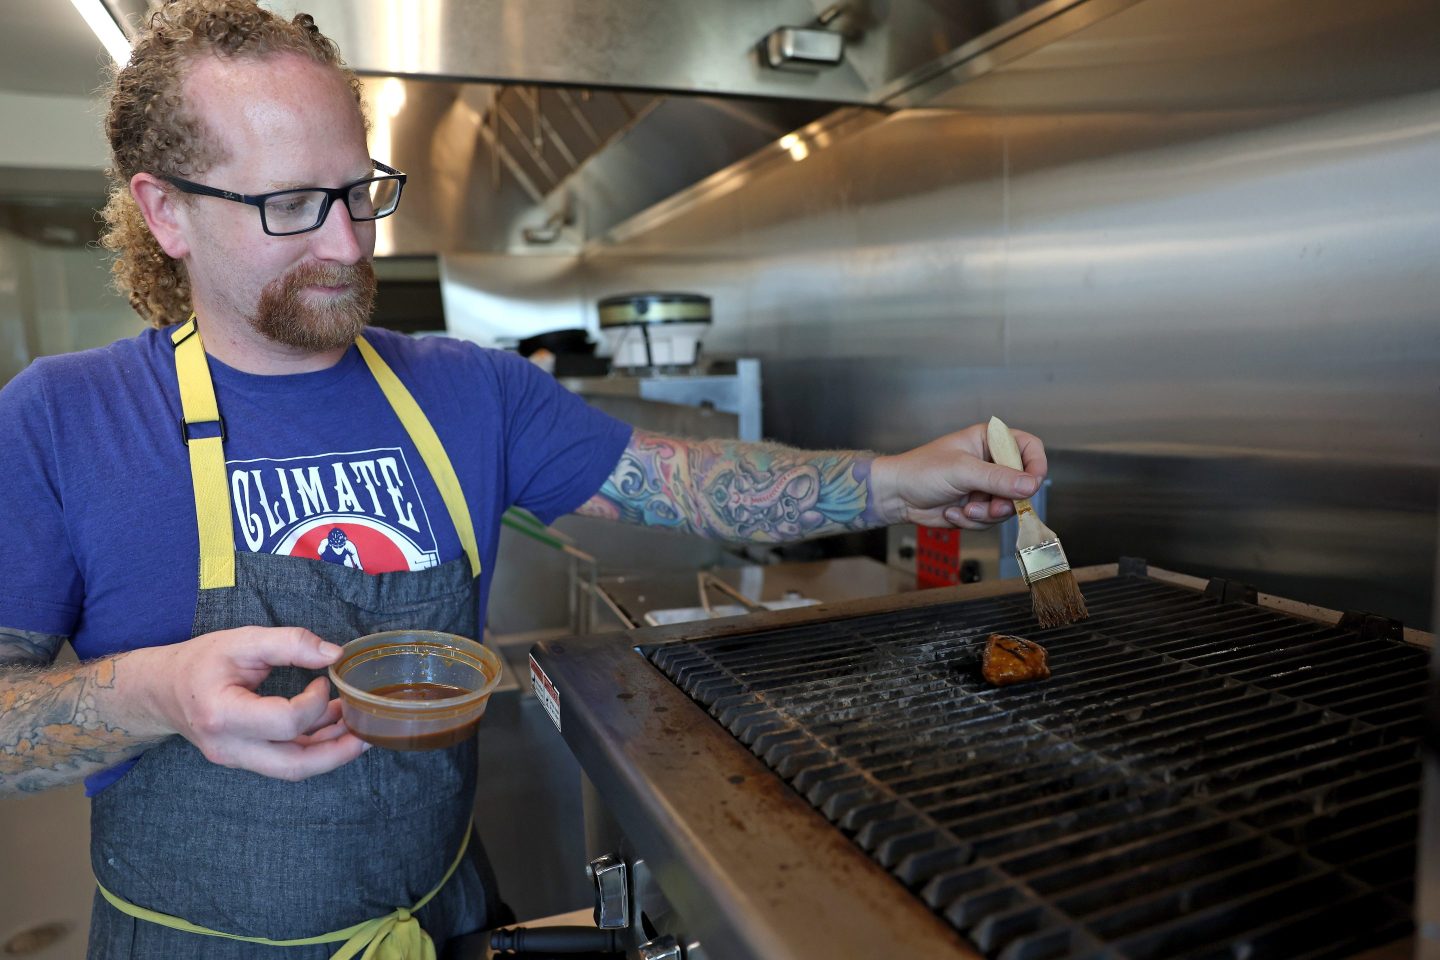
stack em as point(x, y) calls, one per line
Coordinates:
point(185, 425)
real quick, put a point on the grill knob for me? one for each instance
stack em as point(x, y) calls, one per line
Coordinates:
point(661, 948)
point(612, 892)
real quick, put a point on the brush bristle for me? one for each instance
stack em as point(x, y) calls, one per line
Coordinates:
point(1056, 600)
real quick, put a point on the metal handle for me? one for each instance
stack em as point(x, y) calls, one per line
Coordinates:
point(612, 891)
point(661, 948)
point(707, 580)
point(598, 592)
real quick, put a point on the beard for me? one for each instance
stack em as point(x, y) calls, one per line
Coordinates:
point(285, 316)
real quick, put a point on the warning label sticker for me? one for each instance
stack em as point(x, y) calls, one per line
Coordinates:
point(545, 692)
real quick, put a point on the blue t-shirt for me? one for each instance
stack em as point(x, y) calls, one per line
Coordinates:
point(100, 517)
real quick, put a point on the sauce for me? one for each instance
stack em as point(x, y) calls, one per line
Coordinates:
point(431, 739)
point(419, 691)
point(434, 740)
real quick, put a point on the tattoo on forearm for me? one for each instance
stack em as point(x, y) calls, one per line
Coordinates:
point(20, 647)
point(52, 730)
point(729, 490)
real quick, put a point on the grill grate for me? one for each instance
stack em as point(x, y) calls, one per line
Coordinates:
point(1196, 779)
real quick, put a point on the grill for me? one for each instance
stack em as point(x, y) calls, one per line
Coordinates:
point(1202, 776)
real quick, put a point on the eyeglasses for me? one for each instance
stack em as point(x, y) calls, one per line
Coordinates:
point(284, 213)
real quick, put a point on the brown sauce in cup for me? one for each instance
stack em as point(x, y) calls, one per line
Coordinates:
point(419, 691)
point(434, 739)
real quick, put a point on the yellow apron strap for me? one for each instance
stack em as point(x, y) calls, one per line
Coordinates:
point(395, 936)
point(207, 459)
point(425, 440)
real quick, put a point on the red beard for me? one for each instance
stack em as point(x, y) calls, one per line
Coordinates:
point(285, 316)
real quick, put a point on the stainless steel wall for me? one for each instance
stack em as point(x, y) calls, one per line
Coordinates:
point(1224, 323)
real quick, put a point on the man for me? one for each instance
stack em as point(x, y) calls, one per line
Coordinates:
point(338, 548)
point(169, 495)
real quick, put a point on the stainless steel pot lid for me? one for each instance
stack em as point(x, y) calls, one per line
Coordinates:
point(641, 309)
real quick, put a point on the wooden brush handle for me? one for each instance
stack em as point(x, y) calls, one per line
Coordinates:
point(1002, 445)
point(1004, 451)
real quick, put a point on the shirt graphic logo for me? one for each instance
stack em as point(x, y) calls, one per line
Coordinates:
point(337, 547)
point(358, 509)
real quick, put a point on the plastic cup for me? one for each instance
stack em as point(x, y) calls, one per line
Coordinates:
point(414, 689)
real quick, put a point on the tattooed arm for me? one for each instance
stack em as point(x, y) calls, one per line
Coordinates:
point(56, 723)
point(61, 724)
point(767, 493)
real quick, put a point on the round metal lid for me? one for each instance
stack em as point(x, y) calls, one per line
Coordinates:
point(634, 309)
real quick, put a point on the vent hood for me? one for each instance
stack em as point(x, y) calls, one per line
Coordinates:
point(536, 126)
point(699, 47)
point(532, 127)
point(521, 169)
point(896, 53)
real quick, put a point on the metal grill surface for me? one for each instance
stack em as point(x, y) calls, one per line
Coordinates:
point(1196, 779)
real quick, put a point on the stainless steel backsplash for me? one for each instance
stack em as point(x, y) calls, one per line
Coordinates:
point(1225, 324)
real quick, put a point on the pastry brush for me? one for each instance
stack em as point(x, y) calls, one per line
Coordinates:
point(1054, 594)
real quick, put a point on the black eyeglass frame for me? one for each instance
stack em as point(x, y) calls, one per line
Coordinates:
point(331, 195)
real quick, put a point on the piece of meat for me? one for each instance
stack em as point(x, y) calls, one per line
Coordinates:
point(1008, 659)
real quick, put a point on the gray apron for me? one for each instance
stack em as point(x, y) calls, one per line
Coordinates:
point(246, 854)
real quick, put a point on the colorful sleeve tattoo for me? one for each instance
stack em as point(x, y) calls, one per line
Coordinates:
point(736, 491)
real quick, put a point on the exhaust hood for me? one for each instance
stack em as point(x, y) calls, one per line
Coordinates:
point(539, 126)
point(532, 127)
point(675, 46)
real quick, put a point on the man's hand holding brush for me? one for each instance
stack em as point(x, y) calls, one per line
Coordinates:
point(950, 482)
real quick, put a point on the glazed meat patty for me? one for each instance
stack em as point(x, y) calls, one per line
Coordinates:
point(1008, 659)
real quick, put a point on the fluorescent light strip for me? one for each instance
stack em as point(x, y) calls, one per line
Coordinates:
point(105, 28)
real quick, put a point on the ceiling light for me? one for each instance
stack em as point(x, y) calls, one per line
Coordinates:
point(103, 25)
point(392, 96)
point(802, 48)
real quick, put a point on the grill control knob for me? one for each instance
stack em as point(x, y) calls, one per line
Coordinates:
point(661, 948)
point(612, 892)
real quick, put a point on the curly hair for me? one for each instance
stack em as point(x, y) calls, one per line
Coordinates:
point(150, 127)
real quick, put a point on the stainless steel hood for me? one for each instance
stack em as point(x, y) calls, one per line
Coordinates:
point(897, 53)
point(533, 169)
point(680, 46)
point(541, 127)
point(1186, 55)
point(531, 128)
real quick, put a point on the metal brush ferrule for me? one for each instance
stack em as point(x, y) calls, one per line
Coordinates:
point(1041, 561)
